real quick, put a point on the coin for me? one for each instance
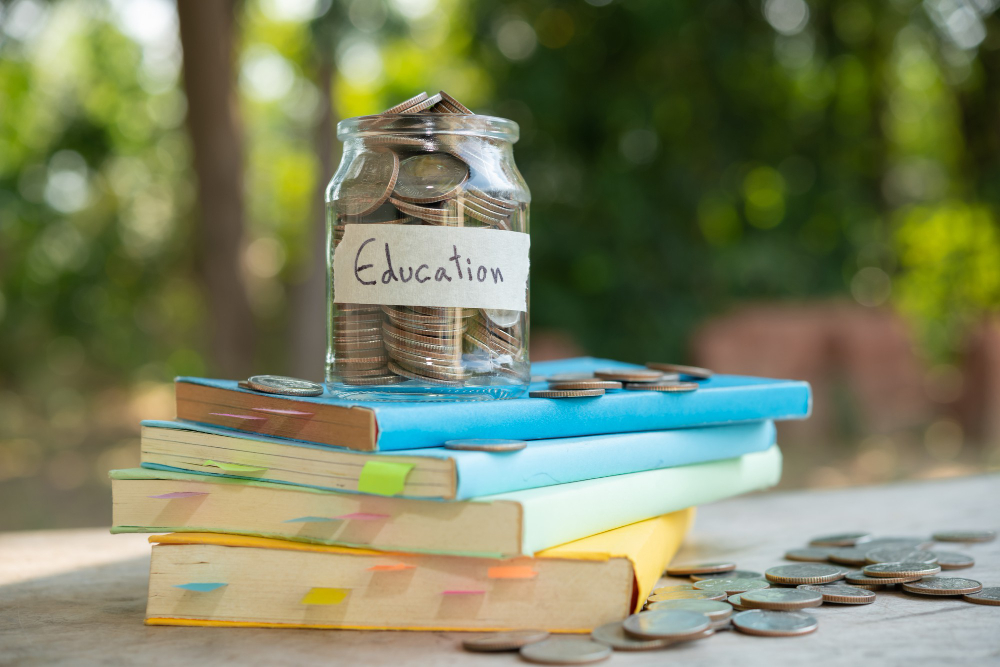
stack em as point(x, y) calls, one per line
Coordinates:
point(774, 623)
point(965, 536)
point(566, 393)
point(628, 375)
point(951, 560)
point(486, 445)
point(699, 568)
point(676, 624)
point(859, 578)
point(856, 556)
point(403, 105)
point(715, 610)
point(731, 586)
point(689, 371)
point(429, 178)
point(569, 377)
point(840, 539)
point(840, 593)
point(808, 554)
point(899, 555)
point(734, 574)
point(285, 386)
point(586, 384)
point(369, 182)
point(803, 573)
point(943, 586)
point(736, 601)
point(503, 641)
point(781, 599)
point(989, 596)
point(565, 651)
point(614, 635)
point(503, 318)
point(687, 595)
point(897, 542)
point(673, 589)
point(423, 105)
point(666, 387)
point(902, 569)
point(445, 97)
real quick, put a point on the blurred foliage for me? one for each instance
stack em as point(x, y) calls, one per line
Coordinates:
point(683, 157)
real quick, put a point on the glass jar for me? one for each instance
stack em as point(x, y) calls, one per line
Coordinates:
point(427, 233)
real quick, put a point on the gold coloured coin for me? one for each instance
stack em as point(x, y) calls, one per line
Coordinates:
point(689, 371)
point(685, 569)
point(566, 393)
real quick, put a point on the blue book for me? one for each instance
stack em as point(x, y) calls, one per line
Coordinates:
point(387, 426)
point(436, 472)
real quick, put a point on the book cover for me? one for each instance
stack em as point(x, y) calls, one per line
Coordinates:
point(388, 426)
point(435, 472)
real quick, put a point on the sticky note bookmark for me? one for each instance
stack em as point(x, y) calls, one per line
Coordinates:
point(383, 477)
point(309, 519)
point(201, 588)
point(325, 596)
point(395, 567)
point(362, 516)
point(512, 572)
point(279, 411)
point(464, 592)
point(180, 494)
point(233, 467)
point(249, 417)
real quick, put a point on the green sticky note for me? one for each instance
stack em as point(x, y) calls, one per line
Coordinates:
point(234, 467)
point(383, 478)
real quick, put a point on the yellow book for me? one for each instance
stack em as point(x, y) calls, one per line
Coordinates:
point(235, 581)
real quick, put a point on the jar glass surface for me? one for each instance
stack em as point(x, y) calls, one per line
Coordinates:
point(408, 187)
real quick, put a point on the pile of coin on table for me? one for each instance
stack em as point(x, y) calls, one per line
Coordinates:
point(655, 377)
point(768, 604)
point(443, 179)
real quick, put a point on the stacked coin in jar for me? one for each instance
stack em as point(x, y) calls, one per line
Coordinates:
point(428, 162)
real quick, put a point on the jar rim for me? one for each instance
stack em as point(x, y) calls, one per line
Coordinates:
point(427, 124)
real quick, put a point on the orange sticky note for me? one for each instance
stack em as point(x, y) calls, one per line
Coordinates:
point(325, 596)
point(512, 572)
point(391, 568)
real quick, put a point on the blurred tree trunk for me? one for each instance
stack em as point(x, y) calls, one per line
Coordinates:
point(307, 322)
point(207, 37)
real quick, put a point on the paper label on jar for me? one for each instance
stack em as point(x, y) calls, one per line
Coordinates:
point(423, 265)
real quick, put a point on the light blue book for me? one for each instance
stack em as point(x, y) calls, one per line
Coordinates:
point(387, 426)
point(436, 472)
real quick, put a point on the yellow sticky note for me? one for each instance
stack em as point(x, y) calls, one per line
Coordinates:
point(512, 572)
point(234, 467)
point(326, 596)
point(383, 477)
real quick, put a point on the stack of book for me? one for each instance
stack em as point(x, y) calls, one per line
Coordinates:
point(318, 512)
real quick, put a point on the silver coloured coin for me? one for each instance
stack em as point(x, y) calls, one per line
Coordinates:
point(686, 569)
point(614, 635)
point(673, 589)
point(840, 539)
point(370, 182)
point(687, 595)
point(736, 601)
point(284, 386)
point(566, 393)
point(629, 375)
point(586, 384)
point(856, 556)
point(803, 573)
point(688, 371)
point(897, 542)
point(774, 623)
point(715, 610)
point(664, 387)
point(565, 651)
point(840, 593)
point(404, 105)
point(486, 445)
point(899, 555)
point(731, 586)
point(859, 578)
point(429, 178)
point(422, 106)
point(735, 574)
point(808, 554)
point(990, 596)
point(965, 536)
point(495, 642)
point(902, 569)
point(568, 377)
point(781, 599)
point(675, 624)
point(943, 586)
point(951, 560)
point(502, 318)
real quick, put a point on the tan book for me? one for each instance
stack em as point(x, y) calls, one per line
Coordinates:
point(228, 580)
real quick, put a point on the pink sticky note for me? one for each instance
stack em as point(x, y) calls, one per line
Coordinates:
point(250, 417)
point(180, 494)
point(362, 516)
point(463, 592)
point(278, 411)
point(395, 567)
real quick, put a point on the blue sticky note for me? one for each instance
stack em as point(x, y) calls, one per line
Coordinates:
point(309, 519)
point(201, 588)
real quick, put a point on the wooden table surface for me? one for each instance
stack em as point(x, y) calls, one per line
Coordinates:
point(78, 596)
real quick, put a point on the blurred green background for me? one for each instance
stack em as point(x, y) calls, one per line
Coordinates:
point(807, 189)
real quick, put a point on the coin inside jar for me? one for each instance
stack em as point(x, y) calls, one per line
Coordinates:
point(370, 182)
point(486, 445)
point(425, 179)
